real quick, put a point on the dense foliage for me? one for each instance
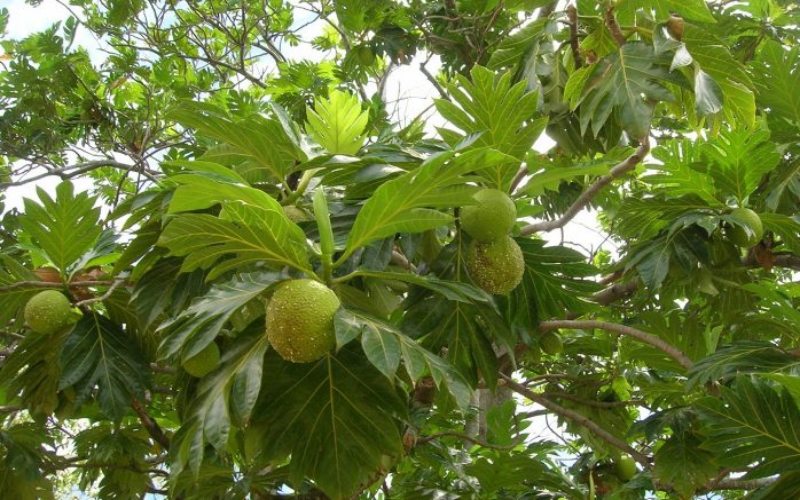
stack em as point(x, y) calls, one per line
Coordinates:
point(228, 146)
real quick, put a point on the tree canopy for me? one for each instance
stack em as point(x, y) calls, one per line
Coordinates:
point(214, 153)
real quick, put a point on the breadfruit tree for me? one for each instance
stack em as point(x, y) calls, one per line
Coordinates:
point(243, 268)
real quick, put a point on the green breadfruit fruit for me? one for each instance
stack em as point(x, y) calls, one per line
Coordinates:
point(300, 320)
point(550, 342)
point(738, 235)
point(625, 468)
point(48, 312)
point(491, 218)
point(497, 266)
point(204, 362)
point(365, 55)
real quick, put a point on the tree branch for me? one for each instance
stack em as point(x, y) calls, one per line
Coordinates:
point(424, 70)
point(150, 425)
point(71, 171)
point(578, 419)
point(583, 200)
point(613, 26)
point(574, 43)
point(647, 338)
point(588, 402)
point(464, 437)
point(742, 484)
point(615, 292)
point(780, 259)
point(48, 284)
point(103, 297)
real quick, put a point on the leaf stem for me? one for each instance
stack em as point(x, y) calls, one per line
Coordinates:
point(305, 180)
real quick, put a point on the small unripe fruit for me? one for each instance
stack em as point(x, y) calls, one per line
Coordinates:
point(550, 342)
point(497, 267)
point(738, 235)
point(295, 214)
point(300, 320)
point(204, 362)
point(48, 312)
point(365, 55)
point(625, 468)
point(491, 218)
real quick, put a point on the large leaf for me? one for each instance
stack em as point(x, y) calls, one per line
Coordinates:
point(202, 184)
point(337, 418)
point(258, 139)
point(683, 464)
point(13, 299)
point(338, 123)
point(503, 115)
point(32, 372)
point(64, 228)
point(385, 346)
point(104, 447)
point(244, 233)
point(677, 173)
point(777, 80)
point(451, 290)
point(714, 58)
point(225, 396)
point(526, 52)
point(787, 229)
point(743, 357)
point(465, 330)
point(404, 204)
point(22, 463)
point(696, 10)
point(555, 282)
point(754, 423)
point(684, 244)
point(198, 325)
point(738, 159)
point(628, 82)
point(548, 174)
point(99, 354)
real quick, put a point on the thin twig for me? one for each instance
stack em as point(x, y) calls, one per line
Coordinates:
point(150, 425)
point(588, 402)
point(647, 338)
point(464, 437)
point(47, 284)
point(71, 171)
point(578, 419)
point(583, 200)
point(424, 70)
point(613, 26)
point(103, 297)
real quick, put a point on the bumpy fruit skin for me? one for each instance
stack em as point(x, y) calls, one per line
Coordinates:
point(204, 362)
point(551, 343)
point(491, 218)
point(496, 267)
point(625, 468)
point(300, 320)
point(48, 312)
point(738, 235)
